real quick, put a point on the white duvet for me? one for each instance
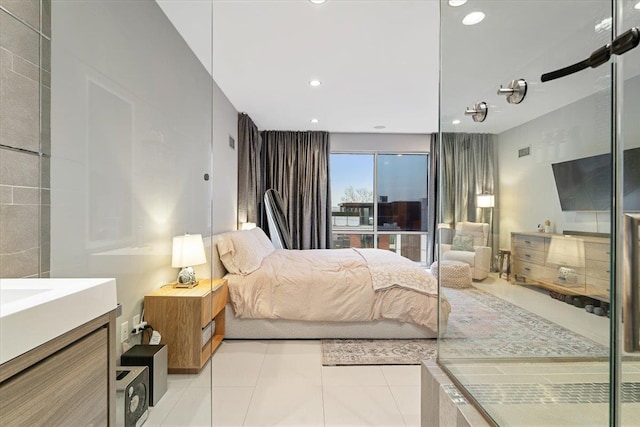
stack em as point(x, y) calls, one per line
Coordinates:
point(341, 285)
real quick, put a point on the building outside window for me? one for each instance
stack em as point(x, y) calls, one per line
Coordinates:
point(379, 200)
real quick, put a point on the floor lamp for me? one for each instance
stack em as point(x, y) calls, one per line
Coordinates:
point(484, 201)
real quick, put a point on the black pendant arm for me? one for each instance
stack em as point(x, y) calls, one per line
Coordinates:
point(621, 44)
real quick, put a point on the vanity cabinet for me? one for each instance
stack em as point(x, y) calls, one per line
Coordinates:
point(572, 265)
point(68, 381)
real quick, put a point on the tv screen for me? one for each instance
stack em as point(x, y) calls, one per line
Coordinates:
point(585, 184)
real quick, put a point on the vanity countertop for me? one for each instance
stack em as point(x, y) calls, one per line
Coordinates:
point(34, 311)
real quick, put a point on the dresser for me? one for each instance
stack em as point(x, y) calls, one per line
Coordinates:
point(190, 321)
point(572, 265)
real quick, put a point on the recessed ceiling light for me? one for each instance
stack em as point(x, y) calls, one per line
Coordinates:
point(380, 127)
point(317, 1)
point(637, 6)
point(473, 18)
point(314, 120)
point(315, 83)
point(456, 3)
point(456, 122)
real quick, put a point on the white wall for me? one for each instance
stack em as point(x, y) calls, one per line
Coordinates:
point(354, 142)
point(136, 123)
point(528, 194)
point(225, 163)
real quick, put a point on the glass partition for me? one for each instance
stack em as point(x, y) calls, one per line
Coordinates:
point(130, 169)
point(528, 343)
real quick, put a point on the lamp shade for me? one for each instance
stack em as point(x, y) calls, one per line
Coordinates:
point(188, 250)
point(485, 200)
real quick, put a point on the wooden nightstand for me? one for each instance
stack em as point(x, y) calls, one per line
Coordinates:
point(182, 317)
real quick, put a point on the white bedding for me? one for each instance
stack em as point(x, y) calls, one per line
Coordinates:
point(340, 285)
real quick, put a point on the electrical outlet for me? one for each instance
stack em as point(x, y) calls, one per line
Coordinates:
point(136, 321)
point(124, 332)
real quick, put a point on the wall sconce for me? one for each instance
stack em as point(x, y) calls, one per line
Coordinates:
point(188, 250)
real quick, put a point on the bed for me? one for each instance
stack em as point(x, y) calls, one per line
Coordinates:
point(337, 293)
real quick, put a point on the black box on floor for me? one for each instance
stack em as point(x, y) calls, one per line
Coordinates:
point(155, 358)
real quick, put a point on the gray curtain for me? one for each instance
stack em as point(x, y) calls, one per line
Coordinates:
point(469, 168)
point(250, 189)
point(296, 164)
point(432, 198)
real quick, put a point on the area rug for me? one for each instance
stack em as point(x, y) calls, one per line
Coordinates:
point(480, 326)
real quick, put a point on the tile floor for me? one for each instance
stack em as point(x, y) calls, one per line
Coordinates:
point(269, 383)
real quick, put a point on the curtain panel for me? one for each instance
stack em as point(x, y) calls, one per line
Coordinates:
point(469, 168)
point(250, 188)
point(296, 164)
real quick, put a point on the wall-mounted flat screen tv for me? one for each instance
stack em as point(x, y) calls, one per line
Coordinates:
point(585, 184)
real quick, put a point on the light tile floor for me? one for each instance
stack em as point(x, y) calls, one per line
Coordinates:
point(270, 383)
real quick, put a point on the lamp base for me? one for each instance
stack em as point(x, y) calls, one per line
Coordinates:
point(186, 285)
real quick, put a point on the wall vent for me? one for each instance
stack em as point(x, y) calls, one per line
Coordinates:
point(524, 151)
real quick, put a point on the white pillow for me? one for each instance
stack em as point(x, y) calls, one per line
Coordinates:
point(241, 252)
point(263, 240)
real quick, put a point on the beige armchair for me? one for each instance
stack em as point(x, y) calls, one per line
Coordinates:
point(477, 254)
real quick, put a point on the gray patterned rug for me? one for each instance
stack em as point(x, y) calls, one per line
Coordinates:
point(480, 326)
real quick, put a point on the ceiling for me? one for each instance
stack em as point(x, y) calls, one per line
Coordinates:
point(378, 59)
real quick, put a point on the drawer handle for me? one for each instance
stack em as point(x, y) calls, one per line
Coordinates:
point(527, 268)
point(527, 255)
point(528, 242)
point(608, 272)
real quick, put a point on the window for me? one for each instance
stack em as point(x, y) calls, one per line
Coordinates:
point(380, 200)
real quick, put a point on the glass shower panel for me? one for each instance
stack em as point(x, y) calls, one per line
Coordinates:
point(529, 347)
point(131, 142)
point(629, 143)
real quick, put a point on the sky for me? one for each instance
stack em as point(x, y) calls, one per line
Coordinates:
point(400, 177)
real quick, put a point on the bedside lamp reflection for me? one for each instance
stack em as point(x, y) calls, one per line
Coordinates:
point(188, 250)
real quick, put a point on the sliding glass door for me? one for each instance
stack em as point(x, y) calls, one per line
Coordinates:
point(539, 341)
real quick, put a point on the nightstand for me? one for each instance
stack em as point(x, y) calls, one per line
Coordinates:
point(183, 318)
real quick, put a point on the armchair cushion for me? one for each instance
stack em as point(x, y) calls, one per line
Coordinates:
point(462, 243)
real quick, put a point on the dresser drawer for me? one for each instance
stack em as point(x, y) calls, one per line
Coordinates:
point(531, 271)
point(529, 255)
point(598, 269)
point(598, 288)
point(528, 242)
point(597, 251)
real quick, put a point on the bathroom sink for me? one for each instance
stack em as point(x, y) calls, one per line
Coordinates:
point(11, 295)
point(34, 311)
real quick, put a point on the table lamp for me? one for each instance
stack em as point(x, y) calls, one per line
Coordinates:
point(188, 250)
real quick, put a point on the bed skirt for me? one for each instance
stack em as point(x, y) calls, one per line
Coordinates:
point(236, 328)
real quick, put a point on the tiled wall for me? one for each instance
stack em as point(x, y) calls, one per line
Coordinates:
point(25, 141)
